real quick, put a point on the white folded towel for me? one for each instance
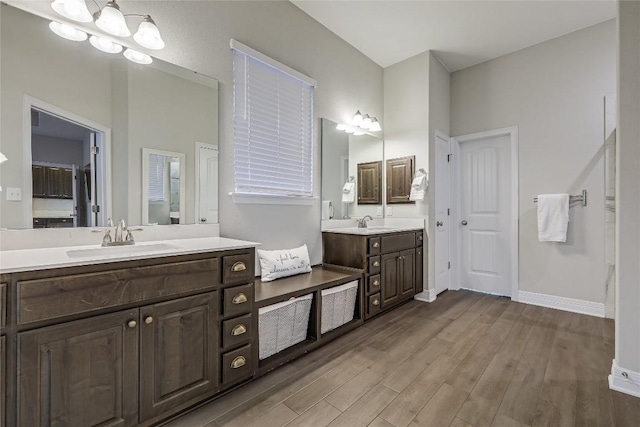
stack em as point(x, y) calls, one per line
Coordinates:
point(418, 188)
point(349, 192)
point(553, 217)
point(327, 209)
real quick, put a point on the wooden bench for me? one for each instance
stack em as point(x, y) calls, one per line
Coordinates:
point(321, 277)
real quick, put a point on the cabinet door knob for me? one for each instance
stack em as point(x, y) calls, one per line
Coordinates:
point(376, 244)
point(132, 324)
point(238, 330)
point(376, 283)
point(238, 362)
point(148, 320)
point(238, 266)
point(239, 299)
point(376, 302)
point(376, 263)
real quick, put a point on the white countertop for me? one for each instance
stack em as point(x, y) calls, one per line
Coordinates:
point(14, 261)
point(372, 230)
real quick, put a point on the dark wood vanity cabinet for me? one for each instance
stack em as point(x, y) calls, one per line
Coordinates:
point(131, 343)
point(392, 264)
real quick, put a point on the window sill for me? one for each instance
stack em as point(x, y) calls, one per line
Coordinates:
point(271, 199)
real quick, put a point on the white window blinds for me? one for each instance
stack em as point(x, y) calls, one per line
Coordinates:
point(157, 164)
point(273, 126)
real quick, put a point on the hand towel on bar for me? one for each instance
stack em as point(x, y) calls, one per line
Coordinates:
point(327, 209)
point(553, 217)
point(418, 188)
point(349, 192)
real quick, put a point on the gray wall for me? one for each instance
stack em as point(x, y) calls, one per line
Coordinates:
point(554, 92)
point(57, 150)
point(628, 198)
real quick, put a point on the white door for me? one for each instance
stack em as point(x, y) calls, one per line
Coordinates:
point(486, 214)
point(442, 190)
point(207, 183)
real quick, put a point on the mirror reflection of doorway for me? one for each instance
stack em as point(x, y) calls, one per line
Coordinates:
point(65, 159)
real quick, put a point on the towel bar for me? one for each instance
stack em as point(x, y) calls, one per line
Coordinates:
point(579, 198)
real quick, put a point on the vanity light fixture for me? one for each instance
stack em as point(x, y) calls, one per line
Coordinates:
point(67, 32)
point(104, 44)
point(360, 124)
point(110, 20)
point(3, 158)
point(137, 57)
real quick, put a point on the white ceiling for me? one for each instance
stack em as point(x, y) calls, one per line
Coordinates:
point(461, 33)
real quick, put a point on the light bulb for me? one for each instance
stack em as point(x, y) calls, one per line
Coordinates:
point(137, 57)
point(67, 32)
point(340, 126)
point(349, 129)
point(357, 119)
point(148, 35)
point(358, 132)
point(375, 125)
point(112, 21)
point(3, 158)
point(75, 10)
point(366, 122)
point(105, 44)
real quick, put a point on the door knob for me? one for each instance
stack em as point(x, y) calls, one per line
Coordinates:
point(203, 219)
point(439, 223)
point(464, 222)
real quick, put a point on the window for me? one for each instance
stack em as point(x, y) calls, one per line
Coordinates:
point(273, 129)
point(157, 164)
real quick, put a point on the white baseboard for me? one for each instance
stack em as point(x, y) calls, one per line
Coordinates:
point(624, 380)
point(428, 295)
point(562, 303)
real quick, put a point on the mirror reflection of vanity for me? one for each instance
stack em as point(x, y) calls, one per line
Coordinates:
point(126, 106)
point(358, 158)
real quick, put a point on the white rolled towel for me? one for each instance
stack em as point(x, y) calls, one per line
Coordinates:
point(418, 188)
point(349, 192)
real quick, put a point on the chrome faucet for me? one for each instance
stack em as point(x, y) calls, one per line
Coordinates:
point(117, 240)
point(118, 234)
point(362, 223)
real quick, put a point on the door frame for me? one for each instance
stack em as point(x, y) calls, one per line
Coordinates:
point(103, 142)
point(512, 133)
point(214, 147)
point(452, 247)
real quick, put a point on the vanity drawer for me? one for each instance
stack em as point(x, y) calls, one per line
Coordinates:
point(419, 238)
point(373, 284)
point(236, 331)
point(237, 300)
point(237, 365)
point(374, 265)
point(56, 297)
point(373, 304)
point(237, 268)
point(398, 242)
point(374, 246)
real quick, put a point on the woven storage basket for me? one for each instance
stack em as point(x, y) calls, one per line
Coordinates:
point(338, 305)
point(283, 324)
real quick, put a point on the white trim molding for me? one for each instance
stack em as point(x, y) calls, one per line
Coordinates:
point(624, 380)
point(561, 303)
point(428, 295)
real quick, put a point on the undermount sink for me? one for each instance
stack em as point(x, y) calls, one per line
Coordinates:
point(119, 250)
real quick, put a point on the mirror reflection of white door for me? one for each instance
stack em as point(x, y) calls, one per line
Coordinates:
point(486, 215)
point(442, 190)
point(206, 183)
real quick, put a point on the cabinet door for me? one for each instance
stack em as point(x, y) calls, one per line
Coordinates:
point(3, 384)
point(399, 178)
point(179, 358)
point(54, 182)
point(407, 273)
point(38, 179)
point(390, 292)
point(67, 183)
point(369, 183)
point(82, 373)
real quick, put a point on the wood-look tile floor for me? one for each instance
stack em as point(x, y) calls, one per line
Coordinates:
point(465, 360)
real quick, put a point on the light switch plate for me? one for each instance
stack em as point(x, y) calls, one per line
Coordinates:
point(379, 211)
point(389, 210)
point(14, 194)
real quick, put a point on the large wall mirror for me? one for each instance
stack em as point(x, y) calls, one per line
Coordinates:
point(162, 187)
point(352, 169)
point(74, 121)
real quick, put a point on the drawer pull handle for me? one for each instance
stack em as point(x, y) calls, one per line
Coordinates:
point(238, 362)
point(376, 283)
point(148, 320)
point(376, 244)
point(376, 302)
point(376, 263)
point(238, 330)
point(420, 237)
point(132, 324)
point(239, 299)
point(238, 266)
